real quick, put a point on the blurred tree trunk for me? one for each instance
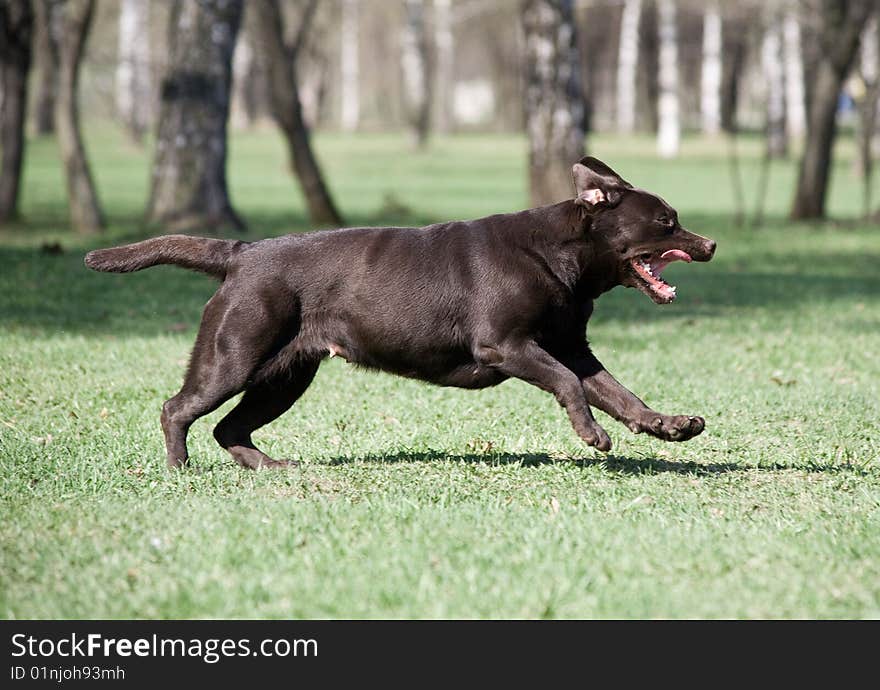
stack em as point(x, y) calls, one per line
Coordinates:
point(554, 101)
point(869, 69)
point(46, 54)
point(668, 108)
point(350, 62)
point(710, 75)
point(734, 34)
point(649, 69)
point(133, 67)
point(774, 86)
point(313, 70)
point(280, 62)
point(795, 103)
point(627, 64)
point(416, 65)
point(444, 76)
point(838, 35)
point(16, 28)
point(591, 49)
point(189, 188)
point(507, 65)
point(85, 210)
point(244, 80)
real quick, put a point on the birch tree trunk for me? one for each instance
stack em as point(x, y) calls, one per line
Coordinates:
point(243, 106)
point(16, 27)
point(313, 74)
point(189, 188)
point(444, 76)
point(795, 104)
point(350, 61)
point(280, 61)
point(133, 68)
point(627, 64)
point(710, 76)
point(648, 72)
point(838, 36)
point(46, 54)
point(733, 36)
point(554, 98)
point(668, 110)
point(416, 67)
point(85, 211)
point(774, 86)
point(869, 69)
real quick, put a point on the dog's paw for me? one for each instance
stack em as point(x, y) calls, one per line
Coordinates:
point(279, 465)
point(598, 438)
point(265, 463)
point(677, 428)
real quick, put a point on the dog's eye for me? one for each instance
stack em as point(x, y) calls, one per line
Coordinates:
point(667, 223)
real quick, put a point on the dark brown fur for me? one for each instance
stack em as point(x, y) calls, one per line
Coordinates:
point(464, 303)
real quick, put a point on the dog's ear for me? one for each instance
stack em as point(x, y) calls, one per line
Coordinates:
point(596, 184)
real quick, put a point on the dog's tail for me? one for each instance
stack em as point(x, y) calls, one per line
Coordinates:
point(198, 253)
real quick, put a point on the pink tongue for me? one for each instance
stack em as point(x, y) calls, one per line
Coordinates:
point(676, 255)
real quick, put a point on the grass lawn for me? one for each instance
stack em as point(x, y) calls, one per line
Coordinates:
point(417, 501)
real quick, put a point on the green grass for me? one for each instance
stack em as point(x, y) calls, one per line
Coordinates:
point(416, 501)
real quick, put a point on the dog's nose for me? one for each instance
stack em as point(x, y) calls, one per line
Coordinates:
point(710, 247)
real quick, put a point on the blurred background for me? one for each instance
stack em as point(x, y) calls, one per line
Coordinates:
point(217, 115)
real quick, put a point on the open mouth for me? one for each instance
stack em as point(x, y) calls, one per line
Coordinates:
point(648, 268)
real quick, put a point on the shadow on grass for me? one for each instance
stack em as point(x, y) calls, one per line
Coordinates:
point(613, 464)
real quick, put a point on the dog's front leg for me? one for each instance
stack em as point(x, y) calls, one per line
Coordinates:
point(531, 363)
point(606, 393)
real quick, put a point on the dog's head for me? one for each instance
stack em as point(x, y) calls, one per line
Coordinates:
point(639, 230)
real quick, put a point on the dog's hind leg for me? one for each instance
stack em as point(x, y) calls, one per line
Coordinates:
point(193, 401)
point(238, 332)
point(262, 402)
